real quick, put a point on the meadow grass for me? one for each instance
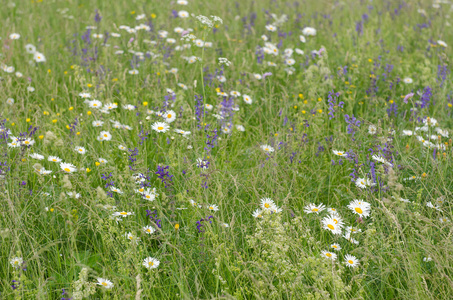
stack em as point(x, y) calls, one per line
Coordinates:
point(289, 112)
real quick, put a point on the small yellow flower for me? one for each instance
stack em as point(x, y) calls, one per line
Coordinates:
point(55, 121)
point(305, 101)
point(24, 159)
point(145, 103)
point(132, 12)
point(346, 82)
point(153, 16)
point(295, 106)
point(48, 71)
point(97, 164)
point(320, 111)
point(78, 133)
point(276, 134)
point(41, 137)
point(72, 66)
point(303, 111)
point(67, 126)
point(65, 72)
point(319, 99)
point(449, 105)
point(71, 108)
point(424, 175)
point(88, 170)
point(115, 79)
point(12, 124)
point(27, 120)
point(89, 113)
point(391, 101)
point(52, 99)
point(52, 209)
point(89, 85)
point(58, 114)
point(176, 226)
point(158, 73)
point(301, 96)
point(370, 60)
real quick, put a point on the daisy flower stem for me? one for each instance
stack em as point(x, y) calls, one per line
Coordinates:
point(201, 73)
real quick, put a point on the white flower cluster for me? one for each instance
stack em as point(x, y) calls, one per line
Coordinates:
point(223, 60)
point(208, 22)
point(279, 20)
point(217, 19)
point(189, 38)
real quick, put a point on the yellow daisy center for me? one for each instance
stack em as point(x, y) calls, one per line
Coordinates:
point(351, 262)
point(358, 210)
point(160, 128)
point(151, 263)
point(123, 213)
point(315, 209)
point(67, 169)
point(330, 226)
point(266, 205)
point(104, 283)
point(169, 116)
point(328, 255)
